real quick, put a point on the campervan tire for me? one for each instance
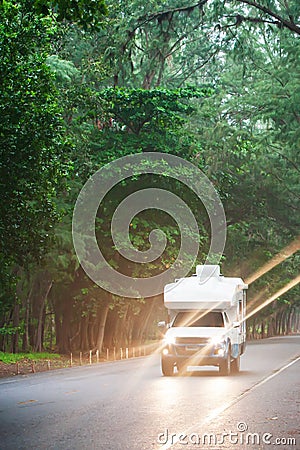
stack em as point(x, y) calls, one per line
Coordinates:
point(224, 367)
point(235, 365)
point(181, 368)
point(167, 367)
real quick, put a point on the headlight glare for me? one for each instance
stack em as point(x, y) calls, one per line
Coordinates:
point(217, 341)
point(169, 340)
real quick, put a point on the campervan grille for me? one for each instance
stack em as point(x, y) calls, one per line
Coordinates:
point(192, 340)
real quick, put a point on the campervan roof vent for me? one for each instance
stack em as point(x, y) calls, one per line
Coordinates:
point(207, 271)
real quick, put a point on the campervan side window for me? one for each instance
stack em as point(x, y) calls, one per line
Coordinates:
point(199, 319)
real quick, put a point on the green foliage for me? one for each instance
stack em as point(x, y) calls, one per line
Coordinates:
point(31, 140)
point(9, 330)
point(87, 14)
point(11, 358)
point(161, 109)
point(65, 71)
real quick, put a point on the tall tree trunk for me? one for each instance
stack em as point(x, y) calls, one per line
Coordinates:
point(262, 330)
point(271, 327)
point(120, 335)
point(142, 322)
point(38, 339)
point(84, 341)
point(57, 323)
point(16, 323)
point(110, 329)
point(279, 322)
point(253, 328)
point(25, 342)
point(102, 317)
point(281, 326)
point(148, 79)
point(290, 320)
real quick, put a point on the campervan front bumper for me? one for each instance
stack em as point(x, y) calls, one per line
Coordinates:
point(195, 352)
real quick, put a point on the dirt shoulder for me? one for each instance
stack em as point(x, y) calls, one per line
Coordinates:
point(26, 366)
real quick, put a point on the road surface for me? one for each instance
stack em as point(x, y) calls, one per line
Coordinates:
point(129, 405)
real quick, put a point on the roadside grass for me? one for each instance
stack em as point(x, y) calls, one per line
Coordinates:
point(11, 358)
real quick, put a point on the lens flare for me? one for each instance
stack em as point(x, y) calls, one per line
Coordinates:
point(288, 251)
point(277, 294)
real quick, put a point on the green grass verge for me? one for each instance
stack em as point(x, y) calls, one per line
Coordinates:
point(10, 358)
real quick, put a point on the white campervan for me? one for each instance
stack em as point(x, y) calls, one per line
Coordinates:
point(206, 322)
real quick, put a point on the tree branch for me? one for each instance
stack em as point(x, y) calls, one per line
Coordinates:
point(285, 23)
point(239, 19)
point(285, 157)
point(165, 15)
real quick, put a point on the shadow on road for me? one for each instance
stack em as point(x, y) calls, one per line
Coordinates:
point(210, 373)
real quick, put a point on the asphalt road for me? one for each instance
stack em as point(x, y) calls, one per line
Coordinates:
point(129, 405)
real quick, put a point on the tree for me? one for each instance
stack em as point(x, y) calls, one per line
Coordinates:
point(31, 136)
point(155, 44)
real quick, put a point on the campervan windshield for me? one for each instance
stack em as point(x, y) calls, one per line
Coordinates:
point(199, 319)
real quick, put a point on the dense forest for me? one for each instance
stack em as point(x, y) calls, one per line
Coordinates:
point(84, 83)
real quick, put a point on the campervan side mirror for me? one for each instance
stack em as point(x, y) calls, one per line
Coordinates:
point(162, 324)
point(236, 324)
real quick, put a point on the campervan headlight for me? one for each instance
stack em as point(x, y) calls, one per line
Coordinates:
point(217, 340)
point(169, 340)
